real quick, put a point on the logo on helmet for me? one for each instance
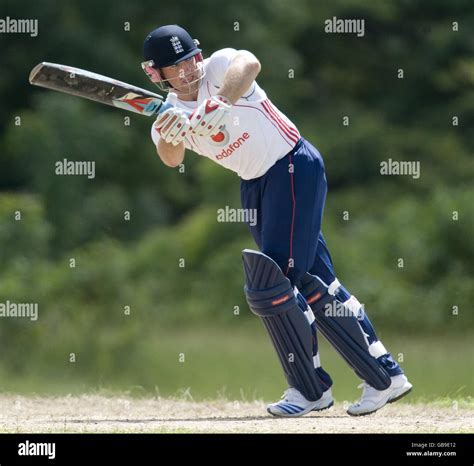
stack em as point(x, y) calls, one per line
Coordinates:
point(176, 43)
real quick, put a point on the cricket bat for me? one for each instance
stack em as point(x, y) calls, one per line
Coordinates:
point(96, 87)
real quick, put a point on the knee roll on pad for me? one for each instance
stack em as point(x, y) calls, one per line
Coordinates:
point(342, 329)
point(270, 296)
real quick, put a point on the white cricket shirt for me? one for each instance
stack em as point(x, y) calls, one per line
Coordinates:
point(257, 135)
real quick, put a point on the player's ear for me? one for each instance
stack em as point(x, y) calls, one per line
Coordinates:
point(199, 58)
point(153, 73)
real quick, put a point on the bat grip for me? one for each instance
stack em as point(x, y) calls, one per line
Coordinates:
point(167, 105)
point(164, 107)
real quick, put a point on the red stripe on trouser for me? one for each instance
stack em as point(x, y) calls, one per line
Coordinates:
point(293, 212)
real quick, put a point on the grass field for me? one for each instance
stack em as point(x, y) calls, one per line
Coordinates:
point(239, 364)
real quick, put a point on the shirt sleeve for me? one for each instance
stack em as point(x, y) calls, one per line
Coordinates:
point(218, 64)
point(220, 61)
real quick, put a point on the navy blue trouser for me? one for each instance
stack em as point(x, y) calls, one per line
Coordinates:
point(289, 203)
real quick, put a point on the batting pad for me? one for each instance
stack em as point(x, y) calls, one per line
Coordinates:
point(343, 331)
point(271, 297)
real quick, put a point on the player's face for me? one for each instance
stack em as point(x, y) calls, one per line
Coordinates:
point(184, 77)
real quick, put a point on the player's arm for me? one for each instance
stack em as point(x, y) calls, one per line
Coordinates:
point(170, 155)
point(242, 71)
point(239, 74)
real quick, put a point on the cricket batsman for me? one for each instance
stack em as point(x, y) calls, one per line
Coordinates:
point(220, 112)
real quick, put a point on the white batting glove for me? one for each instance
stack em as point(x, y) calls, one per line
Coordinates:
point(210, 116)
point(173, 125)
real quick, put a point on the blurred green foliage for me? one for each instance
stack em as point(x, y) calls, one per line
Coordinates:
point(173, 215)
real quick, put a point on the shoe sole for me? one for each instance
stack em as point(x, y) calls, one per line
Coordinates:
point(302, 413)
point(391, 400)
point(326, 407)
point(399, 397)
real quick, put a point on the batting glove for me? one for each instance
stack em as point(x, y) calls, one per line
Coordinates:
point(210, 116)
point(173, 125)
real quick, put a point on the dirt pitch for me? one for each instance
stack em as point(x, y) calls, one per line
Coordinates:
point(94, 413)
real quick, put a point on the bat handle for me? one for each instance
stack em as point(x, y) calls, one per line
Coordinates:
point(167, 105)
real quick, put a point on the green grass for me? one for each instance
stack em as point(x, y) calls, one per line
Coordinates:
point(238, 362)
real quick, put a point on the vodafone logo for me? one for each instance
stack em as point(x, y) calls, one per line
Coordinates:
point(221, 138)
point(233, 146)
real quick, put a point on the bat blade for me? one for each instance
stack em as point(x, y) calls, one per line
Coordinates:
point(96, 87)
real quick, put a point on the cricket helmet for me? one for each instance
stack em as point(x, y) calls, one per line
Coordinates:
point(168, 46)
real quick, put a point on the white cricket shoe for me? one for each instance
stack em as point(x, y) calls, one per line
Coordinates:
point(294, 404)
point(372, 399)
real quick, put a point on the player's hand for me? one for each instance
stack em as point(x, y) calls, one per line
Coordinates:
point(210, 116)
point(173, 125)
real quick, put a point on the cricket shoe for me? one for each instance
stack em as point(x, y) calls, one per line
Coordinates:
point(373, 399)
point(294, 404)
